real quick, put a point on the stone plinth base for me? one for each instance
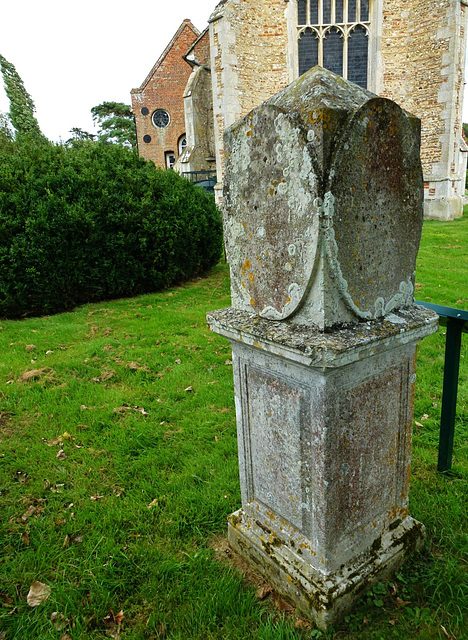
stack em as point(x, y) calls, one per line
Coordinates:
point(324, 425)
point(324, 598)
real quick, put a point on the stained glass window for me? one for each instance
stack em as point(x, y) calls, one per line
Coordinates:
point(329, 38)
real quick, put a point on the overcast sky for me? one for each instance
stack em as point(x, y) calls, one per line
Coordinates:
point(73, 56)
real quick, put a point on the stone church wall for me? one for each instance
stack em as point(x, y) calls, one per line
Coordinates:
point(422, 68)
point(417, 59)
point(249, 60)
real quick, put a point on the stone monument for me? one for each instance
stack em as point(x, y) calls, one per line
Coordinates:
point(323, 217)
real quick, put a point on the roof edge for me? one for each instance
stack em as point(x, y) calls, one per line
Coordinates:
point(186, 23)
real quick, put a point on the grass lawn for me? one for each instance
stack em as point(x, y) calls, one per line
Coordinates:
point(118, 467)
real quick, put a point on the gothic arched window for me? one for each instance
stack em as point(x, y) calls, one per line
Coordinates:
point(335, 35)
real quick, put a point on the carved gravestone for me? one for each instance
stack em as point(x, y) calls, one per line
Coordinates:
point(323, 217)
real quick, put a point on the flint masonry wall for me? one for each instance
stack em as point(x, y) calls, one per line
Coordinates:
point(249, 60)
point(422, 67)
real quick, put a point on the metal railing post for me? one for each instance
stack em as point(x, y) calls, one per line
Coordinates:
point(449, 394)
point(456, 321)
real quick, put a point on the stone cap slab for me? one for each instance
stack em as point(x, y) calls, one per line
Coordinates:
point(311, 347)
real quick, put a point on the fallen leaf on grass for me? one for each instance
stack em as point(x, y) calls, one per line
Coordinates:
point(302, 624)
point(228, 362)
point(58, 620)
point(119, 617)
point(61, 455)
point(136, 366)
point(30, 511)
point(38, 593)
point(402, 603)
point(44, 374)
point(22, 477)
point(5, 598)
point(65, 637)
point(48, 352)
point(113, 622)
point(392, 622)
point(30, 347)
point(282, 605)
point(125, 408)
point(263, 592)
point(25, 538)
point(425, 417)
point(189, 389)
point(153, 503)
point(96, 497)
point(418, 424)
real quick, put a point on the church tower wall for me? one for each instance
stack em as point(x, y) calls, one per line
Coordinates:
point(250, 60)
point(422, 68)
point(416, 58)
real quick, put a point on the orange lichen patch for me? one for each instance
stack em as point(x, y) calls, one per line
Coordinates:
point(249, 133)
point(251, 277)
point(252, 302)
point(270, 514)
point(247, 265)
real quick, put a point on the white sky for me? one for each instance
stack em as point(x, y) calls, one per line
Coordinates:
point(73, 56)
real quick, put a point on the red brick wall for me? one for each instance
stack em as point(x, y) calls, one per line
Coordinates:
point(165, 91)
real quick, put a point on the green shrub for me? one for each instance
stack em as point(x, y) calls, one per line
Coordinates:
point(94, 221)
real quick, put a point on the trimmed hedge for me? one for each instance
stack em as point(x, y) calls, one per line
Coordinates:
point(94, 221)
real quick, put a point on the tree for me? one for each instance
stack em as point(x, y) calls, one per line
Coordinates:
point(6, 132)
point(79, 135)
point(115, 123)
point(22, 106)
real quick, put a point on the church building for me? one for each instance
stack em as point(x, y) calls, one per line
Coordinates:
point(411, 51)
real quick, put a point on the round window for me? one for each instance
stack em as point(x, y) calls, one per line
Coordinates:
point(160, 118)
point(147, 138)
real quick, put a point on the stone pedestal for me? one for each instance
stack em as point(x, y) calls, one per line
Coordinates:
point(324, 431)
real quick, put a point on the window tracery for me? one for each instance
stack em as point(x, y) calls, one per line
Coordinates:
point(334, 34)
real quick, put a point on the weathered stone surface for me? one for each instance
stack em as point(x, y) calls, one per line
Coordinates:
point(323, 218)
point(325, 598)
point(312, 347)
point(324, 431)
point(323, 204)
